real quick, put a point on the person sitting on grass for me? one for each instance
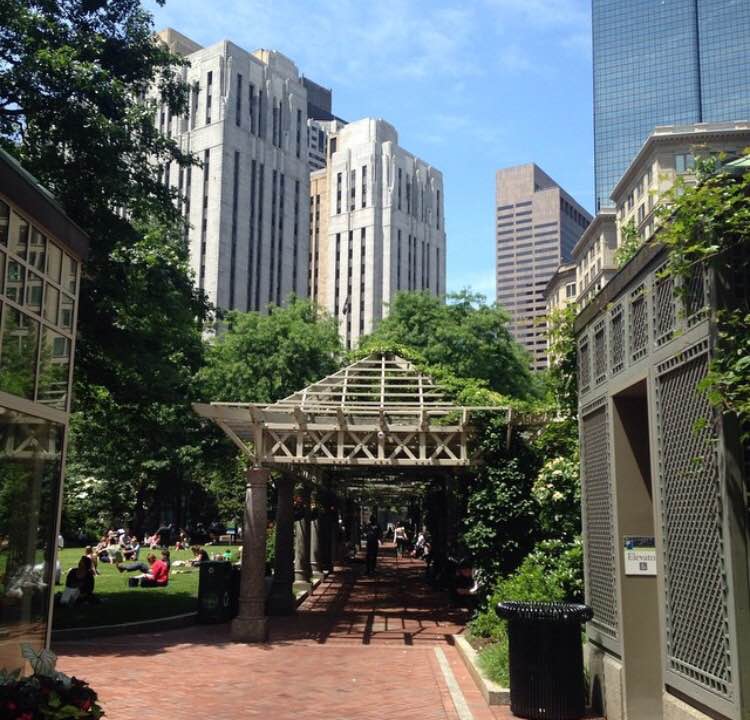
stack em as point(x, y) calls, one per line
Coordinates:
point(81, 578)
point(199, 555)
point(155, 574)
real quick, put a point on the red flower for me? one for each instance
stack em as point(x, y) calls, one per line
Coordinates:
point(86, 705)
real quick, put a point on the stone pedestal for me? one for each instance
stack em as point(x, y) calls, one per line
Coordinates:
point(281, 600)
point(302, 570)
point(250, 623)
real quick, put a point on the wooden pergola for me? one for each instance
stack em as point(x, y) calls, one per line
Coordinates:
point(378, 418)
point(379, 412)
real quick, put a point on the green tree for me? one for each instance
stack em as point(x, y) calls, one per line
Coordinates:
point(463, 334)
point(80, 84)
point(263, 358)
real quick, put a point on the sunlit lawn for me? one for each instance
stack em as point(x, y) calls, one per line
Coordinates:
point(120, 603)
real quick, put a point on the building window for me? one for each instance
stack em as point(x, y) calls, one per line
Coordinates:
point(209, 92)
point(296, 236)
point(337, 274)
point(233, 255)
point(194, 104)
point(398, 261)
point(251, 105)
point(641, 212)
point(339, 181)
point(408, 195)
point(352, 189)
point(204, 218)
point(299, 133)
point(238, 109)
point(251, 239)
point(437, 210)
point(570, 290)
point(259, 233)
point(261, 115)
point(399, 188)
point(684, 162)
point(272, 264)
point(364, 186)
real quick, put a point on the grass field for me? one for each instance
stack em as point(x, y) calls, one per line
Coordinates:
point(120, 604)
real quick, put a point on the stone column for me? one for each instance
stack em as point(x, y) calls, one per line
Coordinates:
point(333, 535)
point(302, 572)
point(281, 600)
point(250, 623)
point(317, 535)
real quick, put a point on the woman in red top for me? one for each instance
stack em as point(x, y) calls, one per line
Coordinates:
point(158, 576)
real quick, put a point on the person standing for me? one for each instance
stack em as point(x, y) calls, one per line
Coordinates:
point(373, 536)
point(401, 539)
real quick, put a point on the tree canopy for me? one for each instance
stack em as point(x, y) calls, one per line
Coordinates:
point(463, 334)
point(263, 358)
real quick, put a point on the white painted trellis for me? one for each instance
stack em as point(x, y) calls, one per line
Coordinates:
point(378, 412)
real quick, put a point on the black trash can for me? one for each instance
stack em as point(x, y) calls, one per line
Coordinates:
point(546, 659)
point(218, 591)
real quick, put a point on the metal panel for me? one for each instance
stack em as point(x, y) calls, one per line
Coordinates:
point(600, 352)
point(695, 296)
point(664, 306)
point(599, 518)
point(584, 365)
point(617, 339)
point(697, 643)
point(638, 328)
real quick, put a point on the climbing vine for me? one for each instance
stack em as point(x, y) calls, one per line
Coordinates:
point(709, 224)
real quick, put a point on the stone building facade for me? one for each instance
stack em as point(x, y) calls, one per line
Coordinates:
point(381, 227)
point(537, 226)
point(247, 203)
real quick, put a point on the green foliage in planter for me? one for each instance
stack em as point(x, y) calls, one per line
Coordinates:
point(47, 694)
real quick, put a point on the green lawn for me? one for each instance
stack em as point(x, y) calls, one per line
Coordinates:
point(120, 604)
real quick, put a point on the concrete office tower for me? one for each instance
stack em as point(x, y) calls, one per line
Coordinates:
point(538, 224)
point(318, 132)
point(377, 226)
point(663, 63)
point(247, 204)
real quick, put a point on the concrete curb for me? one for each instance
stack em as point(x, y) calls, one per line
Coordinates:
point(492, 692)
point(172, 622)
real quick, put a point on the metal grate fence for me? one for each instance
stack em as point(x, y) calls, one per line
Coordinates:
point(697, 625)
point(599, 515)
point(638, 329)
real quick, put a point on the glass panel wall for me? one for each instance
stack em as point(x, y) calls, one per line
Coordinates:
point(30, 470)
point(38, 285)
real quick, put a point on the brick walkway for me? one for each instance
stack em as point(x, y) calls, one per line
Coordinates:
point(358, 649)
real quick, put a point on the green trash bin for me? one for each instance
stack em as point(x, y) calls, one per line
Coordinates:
point(218, 590)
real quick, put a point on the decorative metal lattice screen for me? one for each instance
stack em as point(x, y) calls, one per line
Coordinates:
point(695, 295)
point(697, 629)
point(638, 324)
point(584, 366)
point(664, 311)
point(600, 352)
point(617, 340)
point(600, 543)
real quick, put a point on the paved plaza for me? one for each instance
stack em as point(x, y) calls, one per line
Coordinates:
point(359, 648)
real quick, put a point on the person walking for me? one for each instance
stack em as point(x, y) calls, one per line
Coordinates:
point(373, 536)
point(401, 539)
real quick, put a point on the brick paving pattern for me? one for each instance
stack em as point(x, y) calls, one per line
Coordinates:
point(359, 648)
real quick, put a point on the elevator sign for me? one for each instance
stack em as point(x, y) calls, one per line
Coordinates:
point(640, 555)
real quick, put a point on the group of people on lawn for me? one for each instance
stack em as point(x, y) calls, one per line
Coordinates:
point(117, 548)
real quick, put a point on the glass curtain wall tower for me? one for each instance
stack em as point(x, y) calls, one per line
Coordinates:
point(663, 63)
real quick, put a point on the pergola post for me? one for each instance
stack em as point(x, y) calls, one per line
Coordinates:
point(250, 623)
point(333, 534)
point(281, 600)
point(317, 537)
point(302, 572)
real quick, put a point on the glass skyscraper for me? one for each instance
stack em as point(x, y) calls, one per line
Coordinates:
point(663, 62)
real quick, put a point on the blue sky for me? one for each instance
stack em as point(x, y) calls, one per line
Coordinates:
point(471, 87)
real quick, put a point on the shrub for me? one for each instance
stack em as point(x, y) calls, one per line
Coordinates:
point(552, 572)
point(557, 489)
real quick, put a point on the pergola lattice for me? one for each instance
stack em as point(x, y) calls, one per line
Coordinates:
point(378, 412)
